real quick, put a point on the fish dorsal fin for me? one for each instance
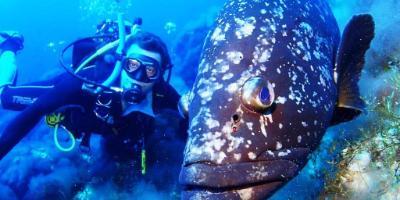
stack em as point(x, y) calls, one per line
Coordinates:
point(356, 40)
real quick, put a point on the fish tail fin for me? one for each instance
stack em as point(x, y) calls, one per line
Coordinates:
point(356, 40)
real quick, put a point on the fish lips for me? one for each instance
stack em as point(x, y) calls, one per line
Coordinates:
point(263, 175)
point(255, 180)
point(262, 191)
point(238, 174)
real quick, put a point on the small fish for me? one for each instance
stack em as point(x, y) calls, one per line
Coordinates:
point(266, 92)
point(170, 27)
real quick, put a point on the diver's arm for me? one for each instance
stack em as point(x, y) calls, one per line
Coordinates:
point(19, 97)
point(63, 93)
point(8, 68)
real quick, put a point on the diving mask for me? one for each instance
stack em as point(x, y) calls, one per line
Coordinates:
point(142, 68)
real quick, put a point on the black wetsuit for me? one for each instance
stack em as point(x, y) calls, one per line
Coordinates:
point(163, 137)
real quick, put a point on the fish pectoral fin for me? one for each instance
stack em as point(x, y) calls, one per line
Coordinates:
point(356, 40)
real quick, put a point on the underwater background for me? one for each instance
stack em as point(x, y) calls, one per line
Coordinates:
point(356, 160)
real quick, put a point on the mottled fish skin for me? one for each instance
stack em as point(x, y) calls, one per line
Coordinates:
point(290, 43)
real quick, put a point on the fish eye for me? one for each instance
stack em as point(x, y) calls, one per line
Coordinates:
point(257, 95)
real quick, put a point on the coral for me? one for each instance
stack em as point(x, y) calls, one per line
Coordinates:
point(370, 166)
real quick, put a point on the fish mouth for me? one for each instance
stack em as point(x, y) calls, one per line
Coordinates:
point(260, 177)
point(208, 175)
point(259, 191)
point(227, 181)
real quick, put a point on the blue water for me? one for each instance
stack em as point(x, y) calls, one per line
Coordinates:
point(44, 22)
point(48, 25)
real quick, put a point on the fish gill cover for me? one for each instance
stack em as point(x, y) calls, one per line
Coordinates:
point(356, 160)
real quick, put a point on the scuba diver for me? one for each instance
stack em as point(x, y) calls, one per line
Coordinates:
point(10, 43)
point(119, 93)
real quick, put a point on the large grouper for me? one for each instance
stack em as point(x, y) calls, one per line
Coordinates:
point(273, 76)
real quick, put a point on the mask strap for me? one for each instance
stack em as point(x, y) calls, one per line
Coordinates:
point(169, 68)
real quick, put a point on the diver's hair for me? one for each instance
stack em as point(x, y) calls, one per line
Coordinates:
point(150, 42)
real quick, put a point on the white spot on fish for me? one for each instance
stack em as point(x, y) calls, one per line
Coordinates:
point(263, 11)
point(278, 145)
point(212, 123)
point(264, 122)
point(281, 154)
point(246, 194)
point(227, 76)
point(218, 35)
point(233, 142)
point(221, 157)
point(250, 125)
point(211, 146)
point(245, 27)
point(252, 155)
point(265, 55)
point(278, 12)
point(281, 100)
point(237, 156)
point(232, 88)
point(219, 68)
point(317, 55)
point(207, 89)
point(294, 77)
point(235, 56)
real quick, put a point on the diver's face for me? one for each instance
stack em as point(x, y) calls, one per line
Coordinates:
point(142, 68)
